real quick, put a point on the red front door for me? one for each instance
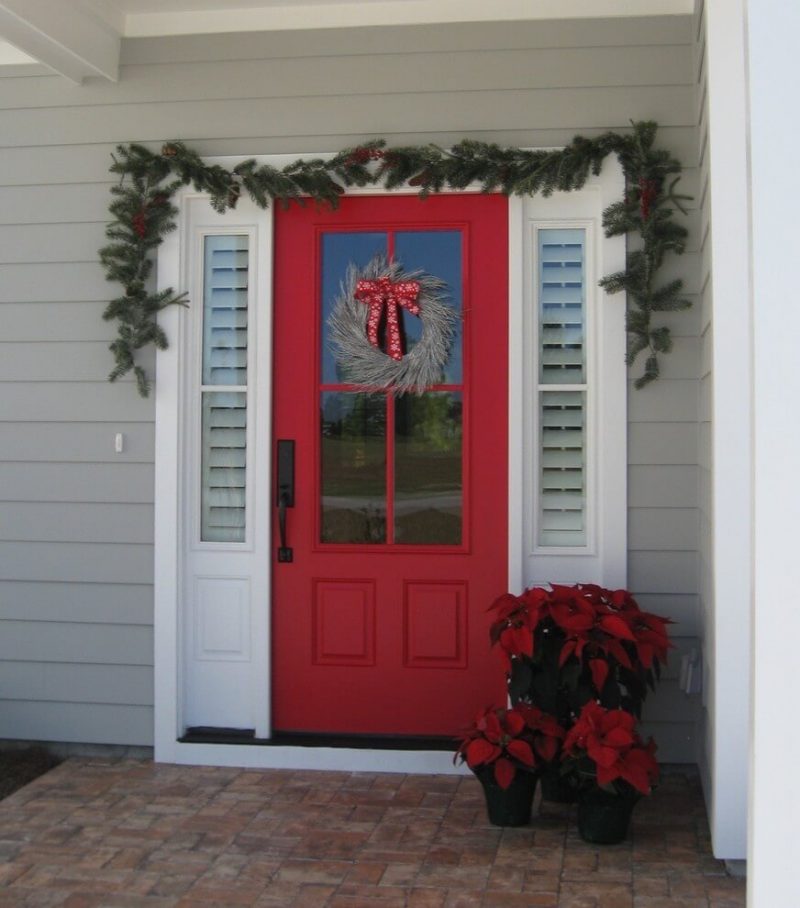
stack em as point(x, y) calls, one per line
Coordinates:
point(398, 529)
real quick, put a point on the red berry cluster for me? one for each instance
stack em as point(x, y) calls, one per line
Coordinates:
point(365, 155)
point(648, 192)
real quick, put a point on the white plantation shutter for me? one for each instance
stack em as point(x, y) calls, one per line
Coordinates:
point(223, 466)
point(561, 306)
point(223, 489)
point(562, 476)
point(561, 294)
point(225, 310)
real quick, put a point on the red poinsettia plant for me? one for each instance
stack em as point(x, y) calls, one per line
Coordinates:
point(566, 645)
point(603, 749)
point(510, 740)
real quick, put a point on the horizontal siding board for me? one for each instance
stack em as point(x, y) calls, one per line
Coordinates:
point(662, 529)
point(56, 164)
point(67, 281)
point(100, 644)
point(54, 204)
point(89, 163)
point(662, 572)
point(77, 442)
point(84, 723)
point(615, 32)
point(667, 400)
point(669, 704)
point(686, 323)
point(466, 70)
point(79, 482)
point(662, 443)
point(682, 609)
point(79, 361)
point(93, 603)
point(73, 522)
point(49, 321)
point(76, 562)
point(675, 266)
point(57, 682)
point(576, 108)
point(683, 361)
point(42, 243)
point(662, 486)
point(61, 401)
point(676, 741)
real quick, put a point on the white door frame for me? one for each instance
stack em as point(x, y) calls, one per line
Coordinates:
point(172, 391)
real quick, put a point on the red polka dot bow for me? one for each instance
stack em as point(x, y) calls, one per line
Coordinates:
point(385, 292)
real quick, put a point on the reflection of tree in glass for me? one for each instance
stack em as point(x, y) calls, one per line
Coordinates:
point(366, 417)
point(353, 467)
point(433, 419)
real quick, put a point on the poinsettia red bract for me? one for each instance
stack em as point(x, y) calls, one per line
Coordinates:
point(604, 746)
point(500, 738)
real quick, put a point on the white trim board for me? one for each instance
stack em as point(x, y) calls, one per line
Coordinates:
point(177, 562)
point(347, 759)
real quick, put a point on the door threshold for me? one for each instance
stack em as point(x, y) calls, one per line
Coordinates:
point(205, 735)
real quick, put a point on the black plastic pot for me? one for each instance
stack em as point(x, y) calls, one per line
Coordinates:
point(508, 806)
point(603, 817)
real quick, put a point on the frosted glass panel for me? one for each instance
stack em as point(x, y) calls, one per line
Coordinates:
point(562, 468)
point(562, 309)
point(223, 466)
point(225, 310)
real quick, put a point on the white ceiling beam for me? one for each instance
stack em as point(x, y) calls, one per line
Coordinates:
point(66, 35)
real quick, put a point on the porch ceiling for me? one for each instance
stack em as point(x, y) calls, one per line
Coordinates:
point(81, 38)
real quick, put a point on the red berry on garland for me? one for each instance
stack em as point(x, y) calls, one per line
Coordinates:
point(648, 191)
point(359, 156)
point(421, 178)
point(363, 155)
point(160, 199)
point(139, 223)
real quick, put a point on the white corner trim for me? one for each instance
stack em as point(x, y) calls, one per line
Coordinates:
point(731, 427)
point(166, 580)
point(516, 394)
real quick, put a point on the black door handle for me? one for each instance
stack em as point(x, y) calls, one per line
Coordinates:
point(285, 496)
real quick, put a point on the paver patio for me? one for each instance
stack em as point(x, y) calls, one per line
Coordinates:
point(126, 833)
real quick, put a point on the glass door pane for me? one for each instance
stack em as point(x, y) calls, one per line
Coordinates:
point(353, 429)
point(428, 487)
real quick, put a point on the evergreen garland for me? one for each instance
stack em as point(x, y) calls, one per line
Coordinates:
point(143, 214)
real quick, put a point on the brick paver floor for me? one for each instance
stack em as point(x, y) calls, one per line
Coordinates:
point(128, 833)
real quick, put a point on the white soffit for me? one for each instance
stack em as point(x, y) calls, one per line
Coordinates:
point(81, 38)
point(149, 18)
